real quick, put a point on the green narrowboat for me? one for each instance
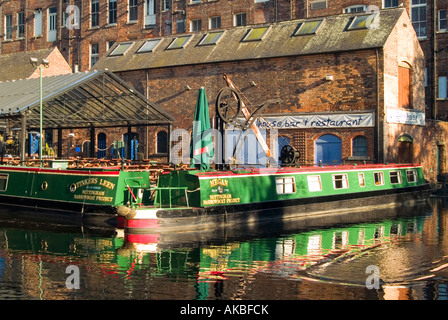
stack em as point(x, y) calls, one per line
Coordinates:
point(186, 200)
point(191, 200)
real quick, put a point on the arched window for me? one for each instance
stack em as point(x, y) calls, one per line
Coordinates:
point(359, 146)
point(356, 8)
point(162, 142)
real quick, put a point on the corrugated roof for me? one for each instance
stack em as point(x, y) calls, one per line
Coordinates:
point(332, 36)
point(77, 100)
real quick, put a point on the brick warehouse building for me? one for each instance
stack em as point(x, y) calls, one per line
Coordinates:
point(348, 65)
point(38, 24)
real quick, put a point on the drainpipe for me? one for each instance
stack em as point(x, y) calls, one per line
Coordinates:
point(434, 62)
point(377, 144)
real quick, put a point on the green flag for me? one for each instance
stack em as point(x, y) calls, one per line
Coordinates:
point(201, 145)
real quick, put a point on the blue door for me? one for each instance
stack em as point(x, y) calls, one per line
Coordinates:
point(328, 150)
point(101, 145)
point(34, 143)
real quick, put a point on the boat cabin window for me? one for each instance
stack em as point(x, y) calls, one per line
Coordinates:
point(3, 182)
point(395, 177)
point(379, 178)
point(362, 181)
point(285, 185)
point(314, 183)
point(340, 181)
point(411, 175)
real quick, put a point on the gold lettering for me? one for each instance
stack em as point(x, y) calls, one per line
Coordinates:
point(105, 199)
point(85, 182)
point(93, 192)
point(107, 184)
point(219, 181)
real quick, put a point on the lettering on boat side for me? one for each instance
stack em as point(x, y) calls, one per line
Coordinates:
point(219, 182)
point(220, 193)
point(94, 195)
point(101, 182)
point(221, 199)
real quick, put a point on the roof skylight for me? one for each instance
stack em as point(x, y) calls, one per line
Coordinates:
point(211, 38)
point(308, 27)
point(179, 42)
point(255, 34)
point(120, 49)
point(149, 46)
point(361, 22)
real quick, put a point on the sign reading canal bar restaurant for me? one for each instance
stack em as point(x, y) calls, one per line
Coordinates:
point(308, 121)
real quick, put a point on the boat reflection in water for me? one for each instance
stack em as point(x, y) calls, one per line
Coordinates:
point(323, 259)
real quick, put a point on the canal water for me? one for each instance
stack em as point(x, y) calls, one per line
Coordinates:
point(390, 255)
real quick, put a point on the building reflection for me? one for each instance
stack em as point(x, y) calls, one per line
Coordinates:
point(326, 263)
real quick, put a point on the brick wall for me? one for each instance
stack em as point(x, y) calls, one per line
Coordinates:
point(299, 82)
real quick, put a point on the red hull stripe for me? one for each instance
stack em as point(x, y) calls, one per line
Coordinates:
point(142, 224)
point(61, 171)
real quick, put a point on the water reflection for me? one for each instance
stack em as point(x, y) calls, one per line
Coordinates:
point(325, 261)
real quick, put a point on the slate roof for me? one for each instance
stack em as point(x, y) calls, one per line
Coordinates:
point(17, 65)
point(333, 35)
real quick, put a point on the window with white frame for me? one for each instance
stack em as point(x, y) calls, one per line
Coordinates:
point(418, 17)
point(38, 23)
point(94, 13)
point(195, 25)
point(314, 183)
point(112, 12)
point(8, 27)
point(356, 8)
point(240, 19)
point(361, 179)
point(320, 4)
point(395, 177)
point(215, 22)
point(285, 185)
point(133, 10)
point(21, 25)
point(442, 20)
point(390, 3)
point(378, 178)
point(150, 12)
point(166, 5)
point(52, 24)
point(411, 175)
point(340, 181)
point(94, 53)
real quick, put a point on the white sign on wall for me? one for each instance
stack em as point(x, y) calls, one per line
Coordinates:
point(416, 118)
point(313, 121)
